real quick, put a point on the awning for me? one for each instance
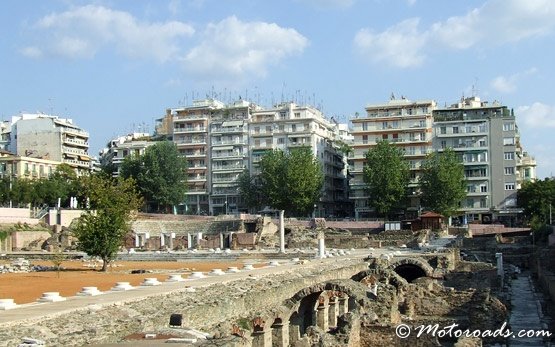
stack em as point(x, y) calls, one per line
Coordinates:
point(70, 156)
point(84, 158)
point(233, 123)
point(223, 148)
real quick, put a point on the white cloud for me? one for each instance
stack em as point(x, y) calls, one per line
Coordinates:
point(399, 45)
point(31, 52)
point(495, 23)
point(538, 115)
point(232, 48)
point(330, 3)
point(508, 84)
point(83, 31)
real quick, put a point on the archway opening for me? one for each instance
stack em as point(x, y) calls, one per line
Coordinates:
point(410, 272)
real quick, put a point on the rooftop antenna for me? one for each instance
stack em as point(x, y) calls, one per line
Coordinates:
point(475, 87)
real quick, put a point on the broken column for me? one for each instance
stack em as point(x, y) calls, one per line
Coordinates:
point(281, 231)
point(321, 246)
point(280, 333)
point(322, 314)
point(333, 311)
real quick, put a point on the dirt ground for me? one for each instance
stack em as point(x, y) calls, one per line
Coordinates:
point(28, 287)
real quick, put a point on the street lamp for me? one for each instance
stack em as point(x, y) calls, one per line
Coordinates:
point(225, 203)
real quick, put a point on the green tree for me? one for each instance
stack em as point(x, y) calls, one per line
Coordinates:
point(111, 206)
point(161, 175)
point(386, 175)
point(442, 183)
point(250, 189)
point(291, 181)
point(536, 198)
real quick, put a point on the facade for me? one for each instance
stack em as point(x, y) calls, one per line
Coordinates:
point(406, 124)
point(229, 155)
point(50, 138)
point(287, 126)
point(189, 132)
point(221, 141)
point(119, 148)
point(486, 139)
point(25, 167)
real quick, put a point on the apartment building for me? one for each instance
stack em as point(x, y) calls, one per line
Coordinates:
point(287, 126)
point(408, 125)
point(486, 138)
point(51, 138)
point(190, 132)
point(229, 155)
point(118, 149)
point(14, 166)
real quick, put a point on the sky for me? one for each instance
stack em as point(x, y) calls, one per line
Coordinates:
point(114, 66)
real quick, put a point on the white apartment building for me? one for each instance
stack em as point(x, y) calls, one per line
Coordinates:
point(406, 124)
point(221, 141)
point(121, 147)
point(51, 138)
point(287, 126)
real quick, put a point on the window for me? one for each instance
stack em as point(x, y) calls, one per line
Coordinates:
point(509, 186)
point(508, 126)
point(482, 143)
point(509, 155)
point(281, 140)
point(268, 142)
point(483, 188)
point(455, 130)
point(293, 127)
point(384, 136)
point(364, 139)
point(508, 141)
point(297, 115)
point(509, 170)
point(443, 130)
point(384, 125)
point(257, 130)
point(483, 203)
point(364, 126)
point(482, 128)
point(422, 124)
point(268, 129)
point(443, 144)
point(412, 164)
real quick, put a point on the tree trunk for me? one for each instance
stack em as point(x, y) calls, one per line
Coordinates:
point(105, 262)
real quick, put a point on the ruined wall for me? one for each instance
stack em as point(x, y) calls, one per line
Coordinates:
point(203, 309)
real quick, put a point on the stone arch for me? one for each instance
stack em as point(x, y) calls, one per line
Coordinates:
point(411, 268)
point(383, 275)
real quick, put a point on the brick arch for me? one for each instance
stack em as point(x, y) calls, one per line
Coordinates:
point(418, 262)
point(355, 291)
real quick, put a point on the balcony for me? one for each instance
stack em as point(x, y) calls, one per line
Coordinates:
point(228, 130)
point(240, 167)
point(76, 142)
point(189, 130)
point(217, 155)
point(77, 132)
point(196, 178)
point(196, 154)
point(228, 142)
point(187, 117)
point(191, 142)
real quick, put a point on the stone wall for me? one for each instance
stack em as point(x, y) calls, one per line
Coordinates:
point(29, 239)
point(203, 309)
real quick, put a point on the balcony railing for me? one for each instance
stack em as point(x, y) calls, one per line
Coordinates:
point(189, 129)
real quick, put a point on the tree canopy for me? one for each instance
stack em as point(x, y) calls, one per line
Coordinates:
point(443, 184)
point(291, 181)
point(62, 184)
point(386, 175)
point(250, 189)
point(535, 198)
point(102, 227)
point(160, 174)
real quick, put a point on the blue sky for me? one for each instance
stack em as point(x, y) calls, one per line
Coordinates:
point(114, 66)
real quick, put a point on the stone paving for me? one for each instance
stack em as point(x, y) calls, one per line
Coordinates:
point(526, 312)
